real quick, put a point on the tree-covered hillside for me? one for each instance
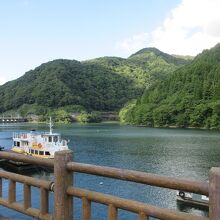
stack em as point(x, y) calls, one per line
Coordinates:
point(64, 82)
point(190, 97)
point(102, 84)
point(145, 67)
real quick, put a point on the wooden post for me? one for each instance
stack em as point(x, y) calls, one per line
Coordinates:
point(11, 191)
point(214, 193)
point(44, 201)
point(86, 209)
point(27, 196)
point(112, 212)
point(142, 216)
point(63, 204)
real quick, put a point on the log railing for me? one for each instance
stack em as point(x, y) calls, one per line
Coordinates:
point(10, 202)
point(64, 191)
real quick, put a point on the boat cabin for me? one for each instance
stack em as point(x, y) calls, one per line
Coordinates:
point(51, 138)
point(39, 144)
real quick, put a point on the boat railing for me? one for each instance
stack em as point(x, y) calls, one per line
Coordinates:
point(23, 135)
point(62, 143)
point(59, 143)
point(64, 190)
point(17, 135)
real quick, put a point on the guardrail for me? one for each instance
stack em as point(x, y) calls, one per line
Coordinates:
point(26, 208)
point(64, 191)
point(28, 182)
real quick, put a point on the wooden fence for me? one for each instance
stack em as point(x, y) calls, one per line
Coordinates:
point(64, 191)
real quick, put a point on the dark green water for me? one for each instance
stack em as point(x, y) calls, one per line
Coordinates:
point(185, 153)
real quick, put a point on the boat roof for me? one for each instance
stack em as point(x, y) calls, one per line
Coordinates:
point(51, 134)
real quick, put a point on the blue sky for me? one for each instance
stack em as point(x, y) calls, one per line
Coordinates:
point(36, 31)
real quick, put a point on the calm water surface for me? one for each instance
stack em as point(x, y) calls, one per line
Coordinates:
point(186, 153)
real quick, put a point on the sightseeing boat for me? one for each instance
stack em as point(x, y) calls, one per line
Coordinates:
point(192, 199)
point(42, 145)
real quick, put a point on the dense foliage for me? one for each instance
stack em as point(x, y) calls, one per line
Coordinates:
point(190, 97)
point(102, 84)
point(146, 67)
point(85, 117)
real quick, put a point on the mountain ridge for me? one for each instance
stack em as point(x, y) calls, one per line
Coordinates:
point(189, 97)
point(104, 83)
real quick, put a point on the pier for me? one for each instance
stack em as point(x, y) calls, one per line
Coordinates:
point(12, 119)
point(64, 190)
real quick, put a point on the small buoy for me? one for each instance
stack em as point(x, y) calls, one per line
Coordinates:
point(101, 183)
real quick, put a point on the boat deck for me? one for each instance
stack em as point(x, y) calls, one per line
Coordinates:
point(194, 203)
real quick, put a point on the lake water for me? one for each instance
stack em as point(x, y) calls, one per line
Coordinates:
point(185, 153)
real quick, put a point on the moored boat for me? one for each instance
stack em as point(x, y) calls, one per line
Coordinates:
point(192, 199)
point(42, 145)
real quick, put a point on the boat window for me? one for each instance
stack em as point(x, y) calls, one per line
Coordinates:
point(55, 139)
point(32, 151)
point(15, 143)
point(41, 152)
point(50, 139)
point(36, 151)
point(47, 153)
point(18, 144)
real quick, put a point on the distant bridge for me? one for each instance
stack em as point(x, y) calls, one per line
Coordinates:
point(12, 119)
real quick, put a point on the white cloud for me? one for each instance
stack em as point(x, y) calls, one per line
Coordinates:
point(192, 26)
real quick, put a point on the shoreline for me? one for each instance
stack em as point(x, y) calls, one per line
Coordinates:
point(175, 127)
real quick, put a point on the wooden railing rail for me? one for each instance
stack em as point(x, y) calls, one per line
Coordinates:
point(141, 177)
point(25, 207)
point(26, 179)
point(140, 208)
point(64, 191)
point(27, 159)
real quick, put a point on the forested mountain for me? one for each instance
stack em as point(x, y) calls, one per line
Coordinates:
point(145, 67)
point(101, 84)
point(189, 97)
